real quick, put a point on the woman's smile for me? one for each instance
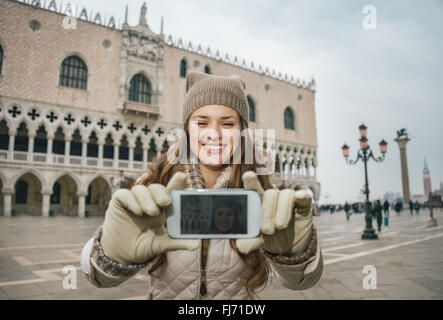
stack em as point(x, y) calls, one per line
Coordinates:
point(213, 148)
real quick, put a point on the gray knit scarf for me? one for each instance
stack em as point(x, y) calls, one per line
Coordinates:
point(194, 178)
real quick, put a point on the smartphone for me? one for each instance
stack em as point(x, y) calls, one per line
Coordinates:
point(214, 214)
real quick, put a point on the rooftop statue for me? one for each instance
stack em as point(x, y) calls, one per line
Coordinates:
point(402, 133)
point(143, 10)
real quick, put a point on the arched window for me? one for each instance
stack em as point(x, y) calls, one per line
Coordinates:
point(138, 150)
point(4, 135)
point(165, 146)
point(108, 148)
point(56, 191)
point(123, 149)
point(76, 144)
point(289, 119)
point(21, 139)
point(21, 192)
point(183, 68)
point(1, 59)
point(251, 109)
point(140, 89)
point(207, 69)
point(41, 140)
point(74, 73)
point(152, 151)
point(58, 146)
point(92, 149)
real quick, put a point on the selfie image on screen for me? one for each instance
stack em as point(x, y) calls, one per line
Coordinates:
point(213, 214)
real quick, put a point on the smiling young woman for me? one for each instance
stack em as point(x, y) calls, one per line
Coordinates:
point(133, 234)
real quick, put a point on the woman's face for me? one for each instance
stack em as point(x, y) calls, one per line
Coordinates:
point(224, 219)
point(214, 132)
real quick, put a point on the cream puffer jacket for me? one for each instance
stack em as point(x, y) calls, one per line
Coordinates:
point(180, 276)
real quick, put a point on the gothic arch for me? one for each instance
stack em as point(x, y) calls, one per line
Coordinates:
point(66, 173)
point(184, 67)
point(10, 124)
point(84, 187)
point(289, 118)
point(133, 73)
point(83, 60)
point(34, 172)
point(252, 108)
point(77, 54)
point(28, 193)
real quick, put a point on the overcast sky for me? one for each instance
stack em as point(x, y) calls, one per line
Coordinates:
point(388, 78)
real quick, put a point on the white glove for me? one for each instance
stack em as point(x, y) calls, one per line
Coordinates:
point(286, 219)
point(134, 228)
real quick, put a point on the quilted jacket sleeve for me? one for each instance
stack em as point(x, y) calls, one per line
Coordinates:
point(100, 270)
point(96, 275)
point(300, 276)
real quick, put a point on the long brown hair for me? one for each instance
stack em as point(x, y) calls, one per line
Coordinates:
point(161, 170)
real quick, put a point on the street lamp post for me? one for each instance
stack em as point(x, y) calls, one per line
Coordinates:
point(365, 153)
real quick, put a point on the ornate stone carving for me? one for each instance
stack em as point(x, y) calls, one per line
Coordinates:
point(143, 47)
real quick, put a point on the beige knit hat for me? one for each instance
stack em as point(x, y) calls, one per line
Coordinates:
point(205, 89)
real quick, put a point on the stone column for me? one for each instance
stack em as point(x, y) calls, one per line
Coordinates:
point(11, 145)
point(49, 150)
point(30, 147)
point(295, 167)
point(100, 154)
point(308, 170)
point(46, 203)
point(84, 150)
point(81, 204)
point(67, 149)
point(131, 154)
point(404, 170)
point(116, 153)
point(300, 170)
point(7, 202)
point(145, 157)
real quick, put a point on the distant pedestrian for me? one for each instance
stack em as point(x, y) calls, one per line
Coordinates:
point(417, 208)
point(113, 188)
point(377, 212)
point(398, 207)
point(386, 208)
point(347, 208)
point(411, 207)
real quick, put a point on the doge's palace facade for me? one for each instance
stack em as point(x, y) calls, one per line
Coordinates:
point(86, 104)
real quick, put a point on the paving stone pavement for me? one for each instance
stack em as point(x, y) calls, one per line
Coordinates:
point(408, 260)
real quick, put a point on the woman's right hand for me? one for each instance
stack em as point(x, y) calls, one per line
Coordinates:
point(134, 228)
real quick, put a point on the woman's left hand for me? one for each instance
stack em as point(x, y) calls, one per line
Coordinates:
point(286, 220)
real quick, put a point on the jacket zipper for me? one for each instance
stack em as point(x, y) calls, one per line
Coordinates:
point(204, 259)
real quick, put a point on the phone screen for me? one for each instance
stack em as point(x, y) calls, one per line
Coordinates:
point(213, 214)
